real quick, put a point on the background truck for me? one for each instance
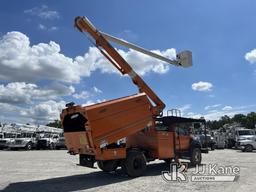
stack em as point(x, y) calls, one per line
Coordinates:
point(47, 140)
point(61, 142)
point(129, 131)
point(236, 133)
point(6, 138)
point(25, 140)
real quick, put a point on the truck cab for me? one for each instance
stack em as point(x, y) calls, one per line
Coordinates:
point(6, 138)
point(47, 140)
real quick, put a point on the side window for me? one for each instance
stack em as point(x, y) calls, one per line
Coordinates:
point(183, 129)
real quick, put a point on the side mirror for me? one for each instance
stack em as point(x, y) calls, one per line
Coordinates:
point(184, 58)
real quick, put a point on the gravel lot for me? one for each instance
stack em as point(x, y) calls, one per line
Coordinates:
point(57, 171)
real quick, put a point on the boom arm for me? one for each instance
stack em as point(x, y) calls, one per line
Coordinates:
point(84, 25)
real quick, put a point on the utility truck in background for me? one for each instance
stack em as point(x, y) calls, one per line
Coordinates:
point(130, 131)
point(236, 133)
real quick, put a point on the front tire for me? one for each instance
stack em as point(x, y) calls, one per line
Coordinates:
point(29, 146)
point(135, 163)
point(108, 166)
point(196, 157)
point(52, 146)
point(248, 148)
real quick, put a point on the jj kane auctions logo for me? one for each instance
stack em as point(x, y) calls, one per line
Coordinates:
point(203, 173)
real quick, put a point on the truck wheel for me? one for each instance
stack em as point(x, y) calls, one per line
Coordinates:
point(248, 148)
point(29, 146)
point(108, 166)
point(52, 146)
point(196, 156)
point(213, 147)
point(135, 163)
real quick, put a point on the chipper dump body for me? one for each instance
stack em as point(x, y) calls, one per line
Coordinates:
point(90, 129)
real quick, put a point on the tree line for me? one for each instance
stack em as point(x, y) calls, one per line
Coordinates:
point(248, 121)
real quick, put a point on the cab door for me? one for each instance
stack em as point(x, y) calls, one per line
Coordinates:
point(183, 137)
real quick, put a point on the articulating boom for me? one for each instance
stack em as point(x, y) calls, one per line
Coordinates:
point(183, 59)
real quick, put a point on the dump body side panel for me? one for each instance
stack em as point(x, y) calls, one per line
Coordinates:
point(117, 119)
point(90, 129)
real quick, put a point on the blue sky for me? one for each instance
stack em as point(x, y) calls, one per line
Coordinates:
point(38, 78)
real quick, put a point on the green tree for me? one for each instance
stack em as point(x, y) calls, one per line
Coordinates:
point(250, 120)
point(56, 123)
point(240, 118)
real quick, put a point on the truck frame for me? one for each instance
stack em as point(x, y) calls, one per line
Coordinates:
point(129, 131)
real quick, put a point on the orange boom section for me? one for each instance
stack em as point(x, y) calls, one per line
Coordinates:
point(91, 128)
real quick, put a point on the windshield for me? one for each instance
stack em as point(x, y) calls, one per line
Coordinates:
point(25, 135)
point(9, 135)
point(45, 135)
point(245, 132)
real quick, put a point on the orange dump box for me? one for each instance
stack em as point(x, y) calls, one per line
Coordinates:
point(89, 129)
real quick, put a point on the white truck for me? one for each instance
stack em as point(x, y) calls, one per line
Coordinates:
point(25, 140)
point(237, 134)
point(248, 144)
point(47, 140)
point(6, 138)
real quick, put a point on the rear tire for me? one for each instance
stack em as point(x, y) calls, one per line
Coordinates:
point(248, 148)
point(108, 166)
point(196, 157)
point(135, 163)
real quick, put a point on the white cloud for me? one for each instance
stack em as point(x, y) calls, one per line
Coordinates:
point(43, 12)
point(184, 108)
point(91, 102)
point(25, 93)
point(45, 111)
point(88, 94)
point(141, 63)
point(45, 28)
point(42, 27)
point(212, 106)
point(251, 56)
point(82, 95)
point(227, 108)
point(20, 61)
point(202, 86)
point(217, 114)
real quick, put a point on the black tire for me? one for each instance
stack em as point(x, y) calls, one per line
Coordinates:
point(52, 146)
point(29, 146)
point(108, 166)
point(135, 163)
point(213, 147)
point(248, 148)
point(196, 157)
